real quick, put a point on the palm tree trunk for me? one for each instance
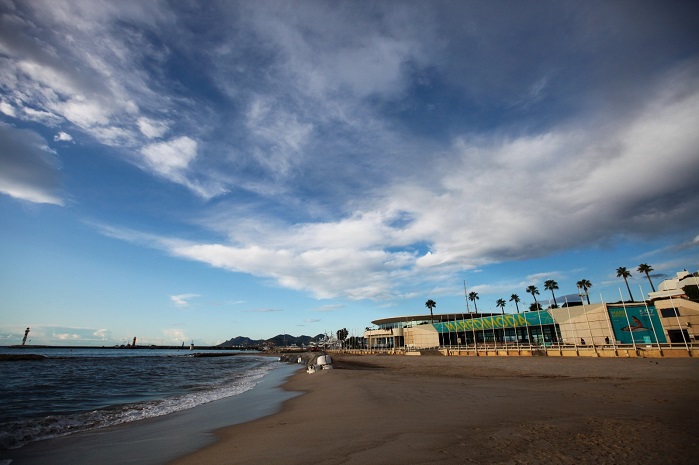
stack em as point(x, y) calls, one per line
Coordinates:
point(651, 282)
point(629, 289)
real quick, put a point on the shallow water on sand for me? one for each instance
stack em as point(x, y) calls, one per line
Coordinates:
point(158, 440)
point(77, 390)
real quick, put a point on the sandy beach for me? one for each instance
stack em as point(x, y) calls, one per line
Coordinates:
point(490, 410)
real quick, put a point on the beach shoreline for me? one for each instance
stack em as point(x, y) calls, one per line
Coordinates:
point(392, 409)
point(157, 440)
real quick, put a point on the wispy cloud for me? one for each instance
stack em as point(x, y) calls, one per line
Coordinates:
point(29, 170)
point(329, 308)
point(58, 335)
point(349, 155)
point(175, 335)
point(63, 137)
point(183, 300)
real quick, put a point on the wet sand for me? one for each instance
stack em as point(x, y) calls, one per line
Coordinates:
point(476, 410)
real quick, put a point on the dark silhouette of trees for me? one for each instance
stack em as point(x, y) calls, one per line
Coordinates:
point(473, 296)
point(550, 285)
point(431, 304)
point(646, 268)
point(515, 298)
point(535, 307)
point(584, 285)
point(534, 292)
point(501, 303)
point(622, 272)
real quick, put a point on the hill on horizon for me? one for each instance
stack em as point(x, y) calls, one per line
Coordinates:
point(278, 340)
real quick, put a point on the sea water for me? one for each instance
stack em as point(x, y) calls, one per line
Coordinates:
point(76, 390)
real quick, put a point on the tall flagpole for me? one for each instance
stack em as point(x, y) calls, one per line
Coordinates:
point(652, 325)
point(466, 297)
point(541, 327)
point(609, 325)
point(606, 308)
point(473, 329)
point(676, 310)
point(495, 341)
point(570, 323)
point(633, 339)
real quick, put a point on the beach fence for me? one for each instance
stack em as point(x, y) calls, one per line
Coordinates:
point(532, 350)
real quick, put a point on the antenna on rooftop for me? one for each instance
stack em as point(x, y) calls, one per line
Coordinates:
point(466, 297)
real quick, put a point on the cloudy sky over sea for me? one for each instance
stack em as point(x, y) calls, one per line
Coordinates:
point(182, 171)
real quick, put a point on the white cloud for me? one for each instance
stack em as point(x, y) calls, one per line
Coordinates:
point(28, 169)
point(175, 335)
point(322, 120)
point(103, 334)
point(334, 50)
point(170, 159)
point(84, 113)
point(41, 116)
point(495, 199)
point(182, 300)
point(152, 129)
point(58, 335)
point(96, 84)
point(279, 135)
point(63, 137)
point(7, 109)
point(329, 308)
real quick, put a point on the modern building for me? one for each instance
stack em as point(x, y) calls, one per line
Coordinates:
point(669, 316)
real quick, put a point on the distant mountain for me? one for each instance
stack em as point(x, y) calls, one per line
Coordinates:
point(280, 340)
point(241, 341)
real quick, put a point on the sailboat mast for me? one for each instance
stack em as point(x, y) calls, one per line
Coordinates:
point(466, 297)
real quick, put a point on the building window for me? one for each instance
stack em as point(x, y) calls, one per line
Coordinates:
point(668, 312)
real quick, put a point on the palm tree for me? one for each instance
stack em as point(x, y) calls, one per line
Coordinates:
point(501, 303)
point(534, 292)
point(622, 272)
point(431, 304)
point(473, 296)
point(584, 284)
point(515, 298)
point(550, 285)
point(646, 268)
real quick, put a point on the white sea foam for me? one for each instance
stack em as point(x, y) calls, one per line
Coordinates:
point(16, 434)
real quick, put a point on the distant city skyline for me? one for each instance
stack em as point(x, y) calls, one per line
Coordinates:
point(180, 173)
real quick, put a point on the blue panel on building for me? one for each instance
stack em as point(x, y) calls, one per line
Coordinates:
point(636, 323)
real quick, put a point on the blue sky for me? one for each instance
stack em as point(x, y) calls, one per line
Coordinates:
point(194, 171)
